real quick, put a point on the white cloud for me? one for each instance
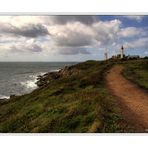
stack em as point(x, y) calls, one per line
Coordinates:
point(106, 32)
point(65, 35)
point(71, 34)
point(81, 35)
point(19, 21)
point(130, 32)
point(138, 18)
point(146, 52)
point(140, 43)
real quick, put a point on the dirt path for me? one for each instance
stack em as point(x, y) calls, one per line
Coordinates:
point(132, 100)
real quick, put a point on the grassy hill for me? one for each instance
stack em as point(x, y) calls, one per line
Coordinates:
point(77, 101)
point(137, 72)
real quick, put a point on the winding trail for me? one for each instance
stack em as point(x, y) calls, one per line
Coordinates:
point(132, 99)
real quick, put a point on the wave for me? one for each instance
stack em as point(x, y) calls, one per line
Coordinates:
point(4, 97)
point(30, 84)
point(55, 70)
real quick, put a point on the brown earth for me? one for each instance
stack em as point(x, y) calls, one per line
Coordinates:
point(133, 100)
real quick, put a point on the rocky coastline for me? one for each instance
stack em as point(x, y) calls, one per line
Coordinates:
point(43, 80)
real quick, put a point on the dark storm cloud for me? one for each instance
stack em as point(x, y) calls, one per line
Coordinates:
point(30, 30)
point(71, 18)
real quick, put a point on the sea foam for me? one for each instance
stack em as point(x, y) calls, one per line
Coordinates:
point(30, 84)
point(4, 97)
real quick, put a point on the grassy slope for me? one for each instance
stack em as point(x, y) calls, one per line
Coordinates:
point(137, 72)
point(77, 103)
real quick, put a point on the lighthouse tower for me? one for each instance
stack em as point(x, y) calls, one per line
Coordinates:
point(122, 52)
point(106, 54)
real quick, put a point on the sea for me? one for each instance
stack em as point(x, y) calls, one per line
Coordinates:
point(18, 78)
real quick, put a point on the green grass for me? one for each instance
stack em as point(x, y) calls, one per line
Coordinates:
point(137, 72)
point(76, 103)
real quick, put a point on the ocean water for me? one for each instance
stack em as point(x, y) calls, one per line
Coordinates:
point(17, 78)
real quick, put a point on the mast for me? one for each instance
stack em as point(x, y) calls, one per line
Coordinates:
point(106, 54)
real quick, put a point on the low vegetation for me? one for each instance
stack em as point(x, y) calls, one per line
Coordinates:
point(137, 72)
point(74, 103)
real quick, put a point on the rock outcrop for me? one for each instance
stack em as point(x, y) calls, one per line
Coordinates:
point(46, 78)
point(65, 72)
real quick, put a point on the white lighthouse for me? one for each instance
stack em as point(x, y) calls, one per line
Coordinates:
point(122, 52)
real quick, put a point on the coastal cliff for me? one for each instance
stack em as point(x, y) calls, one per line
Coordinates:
point(73, 99)
point(67, 71)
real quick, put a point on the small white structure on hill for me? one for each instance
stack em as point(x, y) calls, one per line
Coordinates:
point(106, 54)
point(122, 52)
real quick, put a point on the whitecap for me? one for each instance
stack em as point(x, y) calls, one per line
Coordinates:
point(4, 97)
point(29, 84)
point(55, 70)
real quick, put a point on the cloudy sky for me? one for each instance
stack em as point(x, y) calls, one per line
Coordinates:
point(71, 38)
